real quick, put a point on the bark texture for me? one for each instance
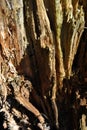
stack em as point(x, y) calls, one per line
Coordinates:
point(43, 67)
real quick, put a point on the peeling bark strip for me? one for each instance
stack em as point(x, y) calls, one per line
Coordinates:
point(46, 40)
point(29, 106)
point(59, 53)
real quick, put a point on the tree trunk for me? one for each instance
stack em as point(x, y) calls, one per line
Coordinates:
point(43, 73)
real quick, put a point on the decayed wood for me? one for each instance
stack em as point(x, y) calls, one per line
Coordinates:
point(9, 41)
point(15, 82)
point(83, 123)
point(44, 51)
point(31, 46)
point(20, 97)
point(71, 30)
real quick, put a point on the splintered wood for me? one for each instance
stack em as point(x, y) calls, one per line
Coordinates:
point(39, 43)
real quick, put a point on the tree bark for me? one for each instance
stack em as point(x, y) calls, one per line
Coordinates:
point(43, 74)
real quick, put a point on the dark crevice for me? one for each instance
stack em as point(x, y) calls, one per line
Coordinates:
point(79, 59)
point(36, 19)
point(31, 46)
